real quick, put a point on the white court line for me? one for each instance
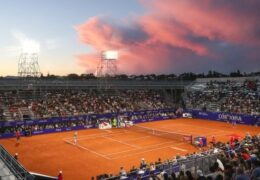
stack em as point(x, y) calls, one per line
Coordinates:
point(122, 142)
point(93, 136)
point(94, 152)
point(134, 139)
point(90, 135)
point(97, 134)
point(216, 134)
point(108, 130)
point(199, 127)
point(179, 149)
point(144, 147)
point(221, 132)
point(144, 151)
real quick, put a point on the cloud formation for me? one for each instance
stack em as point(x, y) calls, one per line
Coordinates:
point(175, 36)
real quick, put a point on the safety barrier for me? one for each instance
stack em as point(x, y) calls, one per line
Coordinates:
point(15, 167)
point(191, 164)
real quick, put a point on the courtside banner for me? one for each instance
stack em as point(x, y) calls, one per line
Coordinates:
point(88, 117)
point(224, 117)
point(90, 121)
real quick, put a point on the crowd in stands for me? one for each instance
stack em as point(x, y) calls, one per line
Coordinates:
point(91, 121)
point(237, 160)
point(228, 96)
point(71, 103)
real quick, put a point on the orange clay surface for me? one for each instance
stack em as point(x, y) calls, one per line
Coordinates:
point(105, 151)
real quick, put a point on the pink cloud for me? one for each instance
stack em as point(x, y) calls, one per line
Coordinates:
point(174, 35)
point(215, 19)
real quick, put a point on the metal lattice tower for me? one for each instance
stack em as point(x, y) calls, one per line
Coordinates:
point(28, 65)
point(107, 67)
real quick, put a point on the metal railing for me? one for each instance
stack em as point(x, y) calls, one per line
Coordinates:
point(191, 164)
point(14, 166)
point(94, 84)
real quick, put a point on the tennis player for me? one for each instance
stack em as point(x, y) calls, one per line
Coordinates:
point(18, 136)
point(75, 137)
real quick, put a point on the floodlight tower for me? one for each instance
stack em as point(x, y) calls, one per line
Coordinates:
point(28, 69)
point(107, 67)
point(108, 64)
point(28, 65)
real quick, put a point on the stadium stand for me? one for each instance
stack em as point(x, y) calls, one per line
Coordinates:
point(226, 95)
point(222, 161)
point(240, 97)
point(72, 102)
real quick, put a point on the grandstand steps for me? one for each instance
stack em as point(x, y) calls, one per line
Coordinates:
point(108, 92)
point(5, 173)
point(213, 107)
point(25, 112)
point(28, 94)
point(169, 98)
point(8, 115)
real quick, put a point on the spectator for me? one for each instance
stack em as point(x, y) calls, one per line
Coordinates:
point(200, 175)
point(143, 164)
point(60, 176)
point(240, 175)
point(16, 156)
point(189, 175)
point(256, 170)
point(122, 172)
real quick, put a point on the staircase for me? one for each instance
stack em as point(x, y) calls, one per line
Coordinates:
point(8, 115)
point(10, 168)
point(5, 173)
point(25, 112)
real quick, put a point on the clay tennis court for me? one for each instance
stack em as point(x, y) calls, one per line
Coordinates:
point(105, 151)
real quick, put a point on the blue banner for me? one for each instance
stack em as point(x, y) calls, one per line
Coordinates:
point(224, 117)
point(53, 120)
point(90, 120)
point(46, 131)
point(80, 122)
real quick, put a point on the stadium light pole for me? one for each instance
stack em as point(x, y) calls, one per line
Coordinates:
point(107, 68)
point(28, 65)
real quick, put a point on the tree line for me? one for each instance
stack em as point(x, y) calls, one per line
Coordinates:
point(183, 76)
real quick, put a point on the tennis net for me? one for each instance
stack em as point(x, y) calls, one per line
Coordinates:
point(164, 134)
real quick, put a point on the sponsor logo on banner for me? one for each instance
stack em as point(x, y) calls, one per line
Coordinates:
point(43, 121)
point(38, 132)
point(203, 114)
point(73, 118)
point(65, 119)
point(229, 117)
point(29, 122)
point(188, 115)
point(88, 126)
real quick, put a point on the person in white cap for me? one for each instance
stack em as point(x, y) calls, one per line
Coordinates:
point(16, 156)
point(122, 173)
point(60, 176)
point(200, 175)
point(142, 164)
